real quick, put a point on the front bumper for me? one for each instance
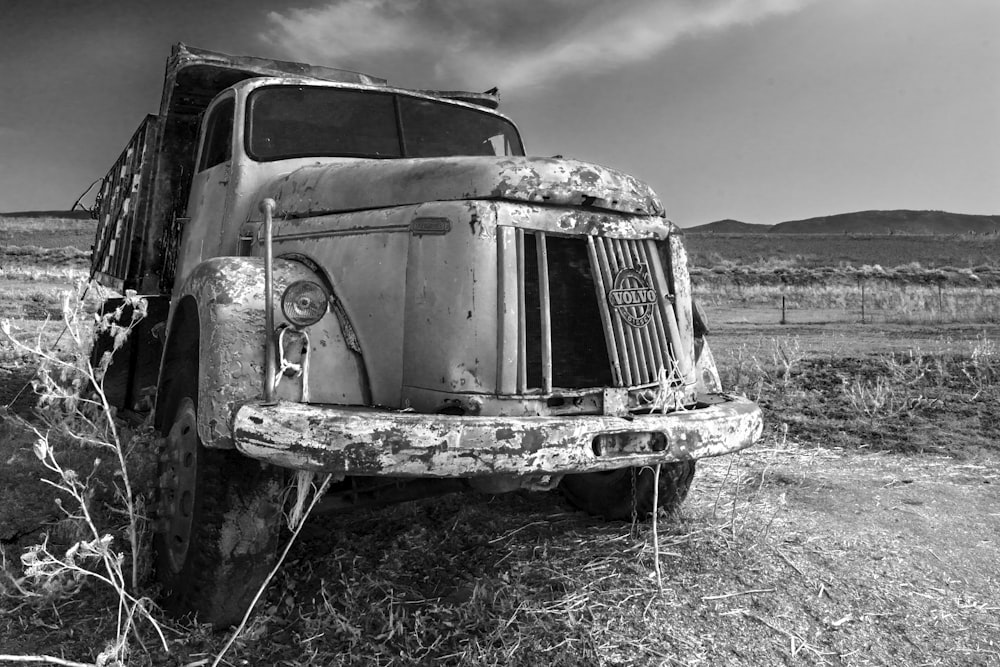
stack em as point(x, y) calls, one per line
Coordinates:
point(365, 441)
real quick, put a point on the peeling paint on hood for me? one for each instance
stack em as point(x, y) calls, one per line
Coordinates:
point(368, 184)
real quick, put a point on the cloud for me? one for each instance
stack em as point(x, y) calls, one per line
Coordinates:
point(514, 44)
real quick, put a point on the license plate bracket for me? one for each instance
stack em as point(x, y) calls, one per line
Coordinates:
point(624, 444)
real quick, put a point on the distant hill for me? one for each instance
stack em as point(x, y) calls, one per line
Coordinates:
point(893, 222)
point(730, 226)
point(65, 215)
point(867, 222)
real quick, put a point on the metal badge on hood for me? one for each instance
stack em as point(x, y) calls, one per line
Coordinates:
point(632, 297)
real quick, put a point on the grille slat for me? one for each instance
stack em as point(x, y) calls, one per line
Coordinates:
point(610, 263)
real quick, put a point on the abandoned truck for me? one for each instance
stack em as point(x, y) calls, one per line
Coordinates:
point(351, 278)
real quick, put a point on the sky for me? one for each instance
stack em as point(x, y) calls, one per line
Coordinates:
point(756, 110)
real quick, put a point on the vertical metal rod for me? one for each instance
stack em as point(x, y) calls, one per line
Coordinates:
point(507, 310)
point(597, 269)
point(522, 356)
point(502, 296)
point(544, 303)
point(681, 286)
point(862, 282)
point(267, 206)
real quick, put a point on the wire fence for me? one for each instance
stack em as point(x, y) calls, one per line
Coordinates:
point(866, 301)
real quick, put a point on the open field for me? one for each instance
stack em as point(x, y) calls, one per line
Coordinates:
point(47, 231)
point(830, 250)
point(817, 278)
point(874, 301)
point(862, 530)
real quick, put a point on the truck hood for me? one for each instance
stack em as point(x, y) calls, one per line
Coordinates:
point(368, 184)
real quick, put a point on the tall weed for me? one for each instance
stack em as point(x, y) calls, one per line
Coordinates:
point(75, 420)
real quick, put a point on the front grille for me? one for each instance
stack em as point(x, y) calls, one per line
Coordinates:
point(579, 351)
point(640, 338)
point(595, 312)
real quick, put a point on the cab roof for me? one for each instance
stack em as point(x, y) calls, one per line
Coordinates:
point(195, 76)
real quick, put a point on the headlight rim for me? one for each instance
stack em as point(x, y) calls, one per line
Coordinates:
point(288, 305)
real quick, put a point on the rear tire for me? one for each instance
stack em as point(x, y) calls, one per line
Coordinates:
point(628, 492)
point(219, 517)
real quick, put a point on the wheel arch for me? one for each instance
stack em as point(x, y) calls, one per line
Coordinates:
point(182, 344)
point(219, 320)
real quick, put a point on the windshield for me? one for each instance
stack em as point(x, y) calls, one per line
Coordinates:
point(301, 121)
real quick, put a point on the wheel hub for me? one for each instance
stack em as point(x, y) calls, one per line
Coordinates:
point(178, 483)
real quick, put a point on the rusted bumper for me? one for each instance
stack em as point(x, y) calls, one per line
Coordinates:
point(359, 441)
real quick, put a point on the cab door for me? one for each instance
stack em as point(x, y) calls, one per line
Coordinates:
point(211, 191)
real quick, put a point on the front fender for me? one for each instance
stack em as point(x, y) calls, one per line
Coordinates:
point(228, 295)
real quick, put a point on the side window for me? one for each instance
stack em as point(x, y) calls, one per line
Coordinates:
point(218, 146)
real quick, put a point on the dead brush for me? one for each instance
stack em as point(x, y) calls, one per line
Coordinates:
point(744, 374)
point(768, 368)
point(786, 356)
point(76, 418)
point(909, 368)
point(983, 369)
point(892, 393)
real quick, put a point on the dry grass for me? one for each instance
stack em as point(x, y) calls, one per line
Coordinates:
point(939, 400)
point(768, 563)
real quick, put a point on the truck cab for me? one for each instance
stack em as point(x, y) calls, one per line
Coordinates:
point(378, 284)
point(260, 129)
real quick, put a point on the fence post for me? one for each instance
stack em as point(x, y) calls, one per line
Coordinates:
point(783, 320)
point(861, 282)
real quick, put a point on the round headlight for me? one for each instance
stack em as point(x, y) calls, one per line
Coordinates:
point(304, 303)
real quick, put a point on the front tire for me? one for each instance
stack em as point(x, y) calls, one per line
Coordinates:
point(628, 492)
point(219, 518)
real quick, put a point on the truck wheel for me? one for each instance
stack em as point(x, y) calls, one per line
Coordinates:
point(627, 492)
point(219, 518)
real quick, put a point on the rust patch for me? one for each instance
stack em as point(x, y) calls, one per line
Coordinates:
point(340, 187)
point(503, 434)
point(533, 440)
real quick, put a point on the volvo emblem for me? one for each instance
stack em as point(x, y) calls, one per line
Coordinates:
point(632, 297)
